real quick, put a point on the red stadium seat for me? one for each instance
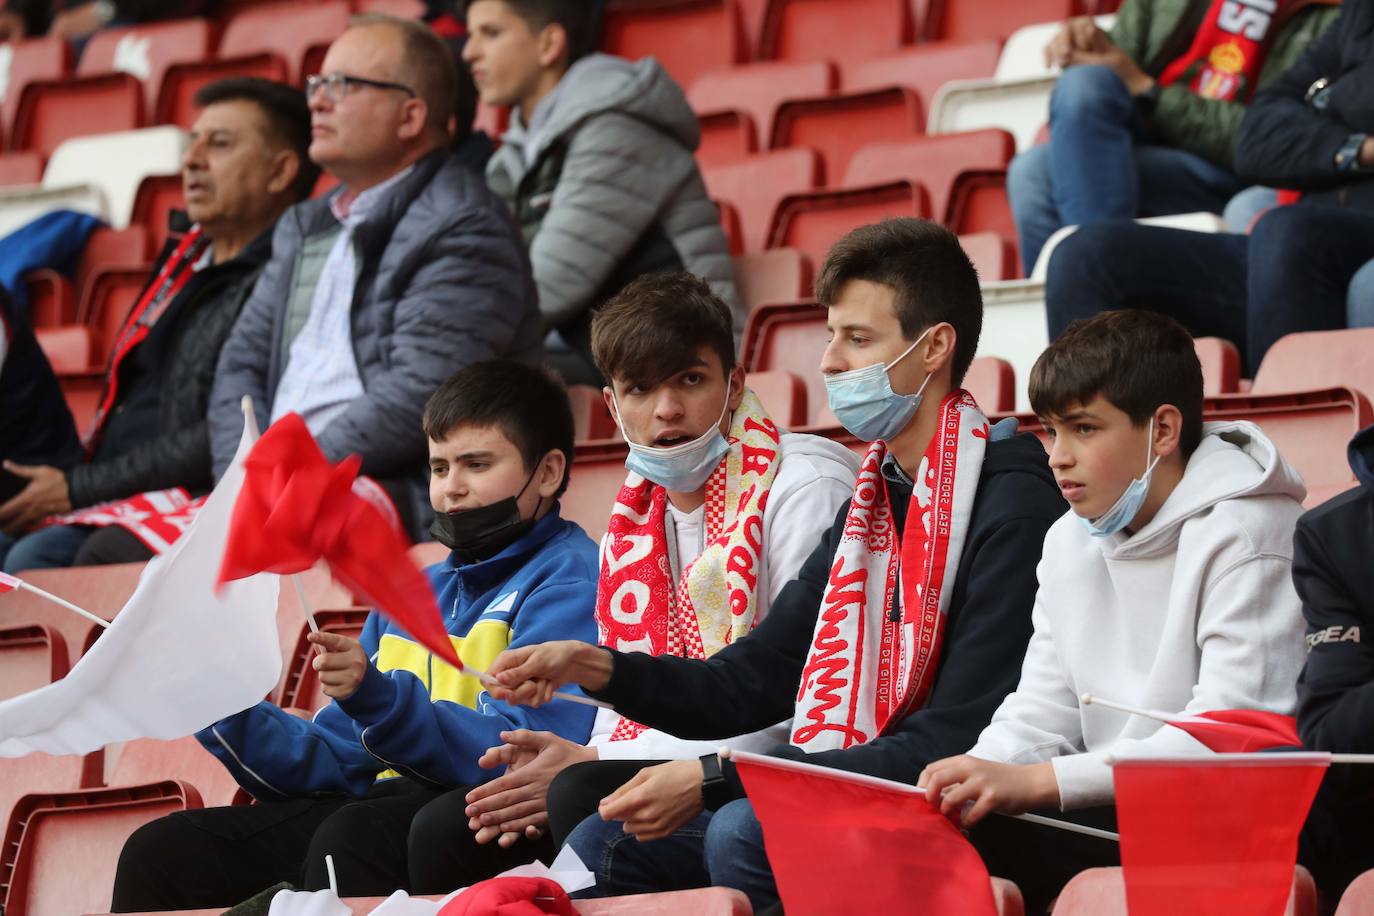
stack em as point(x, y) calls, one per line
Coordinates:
point(1220, 365)
point(106, 307)
point(146, 51)
point(1358, 899)
point(841, 125)
point(1006, 896)
point(598, 472)
point(822, 29)
point(966, 20)
point(923, 68)
point(993, 255)
point(53, 111)
point(102, 590)
point(755, 186)
point(978, 203)
point(61, 850)
point(813, 222)
point(1319, 359)
point(689, 37)
point(300, 686)
point(289, 30)
point(20, 168)
point(730, 225)
point(176, 96)
point(52, 299)
point(401, 9)
point(992, 382)
point(68, 347)
point(1309, 429)
point(147, 760)
point(789, 337)
point(783, 395)
point(47, 773)
point(592, 421)
point(727, 137)
point(31, 60)
point(936, 161)
point(1102, 892)
point(156, 198)
point(776, 275)
point(758, 90)
point(31, 656)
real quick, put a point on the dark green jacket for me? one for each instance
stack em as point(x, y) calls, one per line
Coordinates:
point(1156, 32)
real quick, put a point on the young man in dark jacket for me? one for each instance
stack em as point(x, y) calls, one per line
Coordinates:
point(374, 295)
point(1309, 130)
point(905, 312)
point(246, 163)
point(1333, 554)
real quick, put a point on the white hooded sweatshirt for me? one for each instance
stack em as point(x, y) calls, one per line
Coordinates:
point(1194, 612)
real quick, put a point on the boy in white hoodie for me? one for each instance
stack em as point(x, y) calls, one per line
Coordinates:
point(1167, 586)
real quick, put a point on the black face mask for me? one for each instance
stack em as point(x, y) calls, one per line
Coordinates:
point(481, 533)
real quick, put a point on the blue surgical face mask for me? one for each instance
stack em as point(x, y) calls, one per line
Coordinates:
point(682, 468)
point(865, 404)
point(1128, 506)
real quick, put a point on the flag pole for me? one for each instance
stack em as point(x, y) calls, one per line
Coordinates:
point(1070, 827)
point(557, 694)
point(61, 601)
point(1088, 699)
point(1352, 758)
point(305, 605)
point(333, 881)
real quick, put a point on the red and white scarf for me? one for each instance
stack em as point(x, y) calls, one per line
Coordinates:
point(639, 607)
point(865, 670)
point(1228, 51)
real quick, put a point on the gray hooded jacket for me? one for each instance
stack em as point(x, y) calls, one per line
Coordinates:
point(605, 188)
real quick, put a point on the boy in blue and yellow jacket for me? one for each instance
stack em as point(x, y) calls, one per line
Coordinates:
point(369, 779)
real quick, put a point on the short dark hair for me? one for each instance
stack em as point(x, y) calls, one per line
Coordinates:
point(577, 17)
point(287, 115)
point(924, 264)
point(653, 328)
point(526, 403)
point(427, 64)
point(1137, 360)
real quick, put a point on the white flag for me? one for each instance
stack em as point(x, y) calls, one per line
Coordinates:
point(176, 658)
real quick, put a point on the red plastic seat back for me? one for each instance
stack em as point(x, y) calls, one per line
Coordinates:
point(992, 382)
point(727, 137)
point(289, 30)
point(31, 60)
point(776, 275)
point(69, 348)
point(1102, 892)
point(1220, 365)
point(688, 37)
point(816, 221)
point(113, 293)
point(110, 248)
point(147, 760)
point(923, 68)
point(978, 203)
point(1319, 359)
point(146, 51)
point(300, 686)
point(755, 187)
point(31, 656)
point(758, 89)
point(180, 83)
point(20, 168)
point(823, 29)
point(50, 112)
point(992, 255)
point(790, 337)
point(783, 394)
point(157, 197)
point(841, 125)
point(935, 161)
point(598, 473)
point(592, 421)
point(965, 20)
point(37, 773)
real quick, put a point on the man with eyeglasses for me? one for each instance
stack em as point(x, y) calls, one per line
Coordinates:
point(378, 292)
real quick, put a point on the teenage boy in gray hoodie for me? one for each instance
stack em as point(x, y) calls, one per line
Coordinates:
point(597, 167)
point(1167, 586)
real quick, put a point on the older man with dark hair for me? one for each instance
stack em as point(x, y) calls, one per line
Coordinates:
point(246, 163)
point(376, 294)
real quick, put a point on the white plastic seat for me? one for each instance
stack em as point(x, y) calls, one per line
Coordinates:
point(116, 164)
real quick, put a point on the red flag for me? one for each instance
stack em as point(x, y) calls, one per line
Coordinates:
point(1240, 731)
point(1213, 835)
point(296, 508)
point(847, 843)
point(8, 583)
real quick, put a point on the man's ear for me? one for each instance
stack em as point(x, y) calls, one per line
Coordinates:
point(550, 474)
point(553, 46)
point(1168, 435)
point(286, 165)
point(943, 341)
point(414, 118)
point(736, 382)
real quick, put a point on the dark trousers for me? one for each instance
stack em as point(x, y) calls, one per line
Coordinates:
point(400, 835)
point(1041, 859)
point(576, 792)
point(1290, 274)
point(112, 544)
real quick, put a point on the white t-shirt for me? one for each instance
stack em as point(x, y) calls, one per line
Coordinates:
point(815, 478)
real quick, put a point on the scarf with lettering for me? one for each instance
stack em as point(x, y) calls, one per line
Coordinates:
point(873, 658)
point(1226, 55)
point(638, 606)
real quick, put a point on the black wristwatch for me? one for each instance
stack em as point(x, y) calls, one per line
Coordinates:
point(715, 791)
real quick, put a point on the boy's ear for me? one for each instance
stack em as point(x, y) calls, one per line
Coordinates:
point(1168, 430)
point(553, 46)
point(736, 382)
point(608, 395)
point(550, 473)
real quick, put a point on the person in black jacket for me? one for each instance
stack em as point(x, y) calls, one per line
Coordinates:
point(1333, 555)
point(245, 165)
point(890, 289)
point(1311, 130)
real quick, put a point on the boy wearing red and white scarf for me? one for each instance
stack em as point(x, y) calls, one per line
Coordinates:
point(718, 513)
point(948, 509)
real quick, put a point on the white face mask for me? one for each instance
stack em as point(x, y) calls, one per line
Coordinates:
point(865, 404)
point(1128, 505)
point(681, 468)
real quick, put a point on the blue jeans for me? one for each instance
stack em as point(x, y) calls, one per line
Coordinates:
point(721, 849)
point(49, 548)
point(1290, 274)
point(1097, 166)
point(1359, 305)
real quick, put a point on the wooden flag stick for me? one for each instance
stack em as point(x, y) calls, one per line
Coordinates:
point(63, 602)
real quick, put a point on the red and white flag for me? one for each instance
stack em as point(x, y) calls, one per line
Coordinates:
point(1226, 731)
point(1215, 835)
point(179, 655)
point(8, 583)
point(842, 842)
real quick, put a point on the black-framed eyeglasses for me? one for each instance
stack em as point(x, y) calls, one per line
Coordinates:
point(337, 85)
